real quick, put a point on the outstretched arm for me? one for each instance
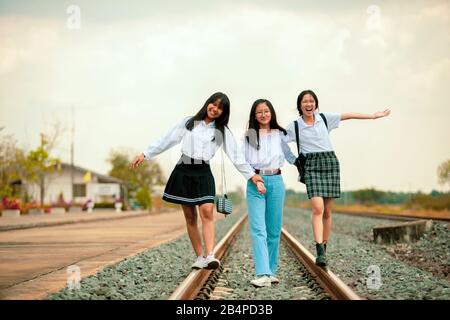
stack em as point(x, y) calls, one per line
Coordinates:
point(168, 140)
point(376, 115)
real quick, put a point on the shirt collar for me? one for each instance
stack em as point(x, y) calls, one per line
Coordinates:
point(212, 124)
point(317, 118)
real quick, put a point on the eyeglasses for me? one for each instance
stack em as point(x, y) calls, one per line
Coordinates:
point(262, 113)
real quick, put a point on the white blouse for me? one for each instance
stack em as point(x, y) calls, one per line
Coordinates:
point(198, 144)
point(315, 137)
point(272, 152)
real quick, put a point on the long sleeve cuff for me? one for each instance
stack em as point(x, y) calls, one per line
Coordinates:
point(248, 176)
point(145, 154)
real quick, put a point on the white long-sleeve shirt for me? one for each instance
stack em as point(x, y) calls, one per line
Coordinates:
point(198, 144)
point(272, 152)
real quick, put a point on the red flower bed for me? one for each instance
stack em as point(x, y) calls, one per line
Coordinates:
point(11, 203)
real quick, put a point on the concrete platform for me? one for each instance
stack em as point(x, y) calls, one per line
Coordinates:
point(46, 220)
point(33, 261)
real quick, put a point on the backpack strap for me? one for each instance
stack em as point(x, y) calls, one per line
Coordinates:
point(296, 136)
point(324, 119)
point(296, 130)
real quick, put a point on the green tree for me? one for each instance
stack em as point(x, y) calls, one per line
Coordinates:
point(368, 196)
point(9, 164)
point(143, 198)
point(139, 180)
point(39, 166)
point(35, 166)
point(444, 173)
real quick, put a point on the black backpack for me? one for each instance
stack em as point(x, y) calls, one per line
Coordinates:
point(301, 159)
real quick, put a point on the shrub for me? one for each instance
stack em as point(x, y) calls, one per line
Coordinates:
point(424, 201)
point(30, 205)
point(61, 203)
point(143, 198)
point(104, 205)
point(11, 203)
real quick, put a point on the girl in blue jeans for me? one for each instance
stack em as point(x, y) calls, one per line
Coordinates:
point(265, 150)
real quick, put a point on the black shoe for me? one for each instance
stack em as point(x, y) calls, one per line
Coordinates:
point(321, 260)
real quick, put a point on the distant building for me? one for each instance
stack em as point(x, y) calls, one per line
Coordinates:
point(87, 184)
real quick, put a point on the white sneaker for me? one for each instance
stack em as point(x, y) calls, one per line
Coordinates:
point(211, 262)
point(263, 281)
point(200, 263)
point(274, 279)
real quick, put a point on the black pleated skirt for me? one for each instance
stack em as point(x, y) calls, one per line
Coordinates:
point(190, 183)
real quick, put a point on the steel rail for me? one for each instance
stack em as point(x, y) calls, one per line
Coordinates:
point(191, 286)
point(338, 290)
point(334, 286)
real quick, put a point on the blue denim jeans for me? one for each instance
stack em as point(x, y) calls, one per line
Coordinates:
point(265, 213)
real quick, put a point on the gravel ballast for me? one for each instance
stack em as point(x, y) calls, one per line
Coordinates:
point(153, 274)
point(351, 252)
point(416, 270)
point(295, 281)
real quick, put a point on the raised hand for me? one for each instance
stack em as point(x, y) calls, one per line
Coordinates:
point(381, 114)
point(136, 162)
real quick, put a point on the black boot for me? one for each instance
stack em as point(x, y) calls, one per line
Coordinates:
point(325, 247)
point(321, 260)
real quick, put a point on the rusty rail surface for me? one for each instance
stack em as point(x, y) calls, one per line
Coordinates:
point(334, 286)
point(190, 287)
point(337, 289)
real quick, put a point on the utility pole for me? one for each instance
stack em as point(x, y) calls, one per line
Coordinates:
point(409, 191)
point(72, 154)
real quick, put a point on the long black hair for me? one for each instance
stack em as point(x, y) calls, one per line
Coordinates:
point(253, 124)
point(300, 98)
point(220, 122)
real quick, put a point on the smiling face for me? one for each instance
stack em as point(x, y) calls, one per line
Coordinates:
point(214, 110)
point(263, 114)
point(308, 105)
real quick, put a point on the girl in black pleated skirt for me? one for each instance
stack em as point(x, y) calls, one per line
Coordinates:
point(191, 183)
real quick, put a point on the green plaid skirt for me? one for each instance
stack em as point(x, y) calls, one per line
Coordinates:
point(322, 175)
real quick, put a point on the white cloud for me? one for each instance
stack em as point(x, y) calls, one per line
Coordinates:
point(439, 11)
point(25, 40)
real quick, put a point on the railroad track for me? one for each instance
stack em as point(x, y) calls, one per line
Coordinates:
point(390, 216)
point(212, 284)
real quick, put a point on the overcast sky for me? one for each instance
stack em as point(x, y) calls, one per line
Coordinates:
point(134, 68)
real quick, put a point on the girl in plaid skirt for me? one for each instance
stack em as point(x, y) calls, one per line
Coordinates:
point(321, 167)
